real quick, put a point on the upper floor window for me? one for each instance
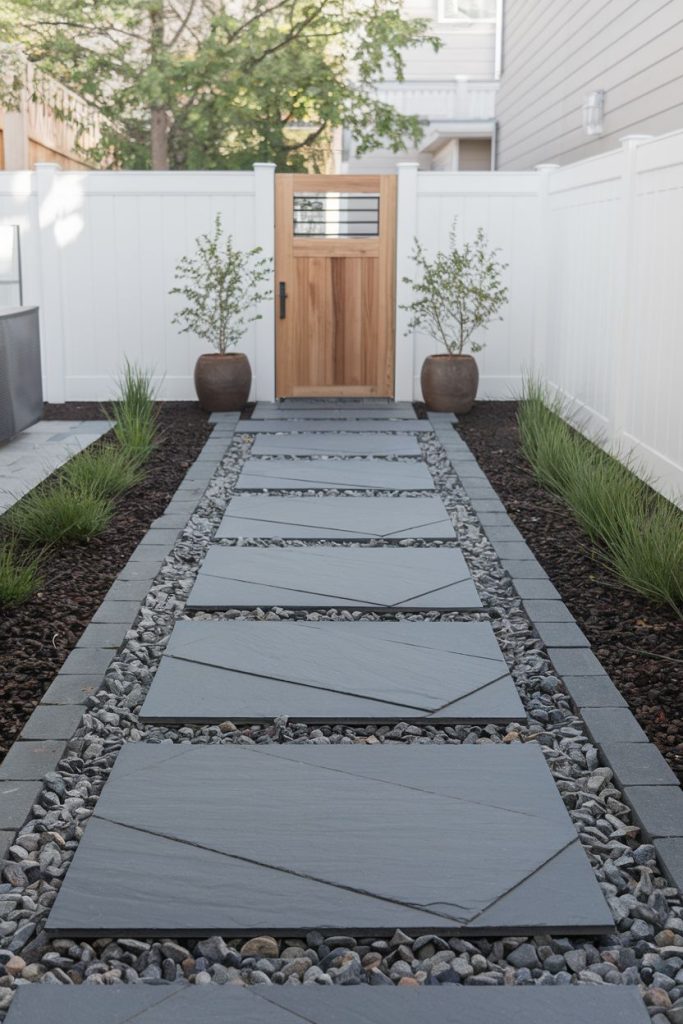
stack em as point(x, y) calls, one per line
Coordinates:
point(467, 10)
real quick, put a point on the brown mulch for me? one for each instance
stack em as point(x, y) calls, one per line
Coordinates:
point(639, 643)
point(36, 637)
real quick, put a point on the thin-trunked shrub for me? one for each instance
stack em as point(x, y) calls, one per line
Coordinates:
point(58, 513)
point(19, 574)
point(135, 412)
point(108, 471)
point(637, 532)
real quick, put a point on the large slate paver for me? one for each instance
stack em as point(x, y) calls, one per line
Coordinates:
point(311, 1004)
point(336, 518)
point(334, 577)
point(332, 671)
point(201, 840)
point(364, 412)
point(323, 474)
point(336, 444)
point(366, 426)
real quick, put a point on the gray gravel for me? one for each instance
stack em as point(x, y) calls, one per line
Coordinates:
point(646, 948)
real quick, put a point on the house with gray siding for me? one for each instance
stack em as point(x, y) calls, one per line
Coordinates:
point(577, 77)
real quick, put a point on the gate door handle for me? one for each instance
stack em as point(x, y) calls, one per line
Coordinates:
point(283, 300)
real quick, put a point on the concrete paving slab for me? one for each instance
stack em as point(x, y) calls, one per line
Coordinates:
point(202, 840)
point(311, 1004)
point(332, 672)
point(336, 444)
point(266, 411)
point(339, 474)
point(359, 426)
point(336, 518)
point(329, 577)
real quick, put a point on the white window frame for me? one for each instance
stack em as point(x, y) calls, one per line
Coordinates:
point(460, 19)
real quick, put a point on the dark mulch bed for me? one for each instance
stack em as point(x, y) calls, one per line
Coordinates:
point(36, 637)
point(639, 643)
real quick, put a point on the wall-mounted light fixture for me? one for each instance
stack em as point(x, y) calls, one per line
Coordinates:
point(593, 112)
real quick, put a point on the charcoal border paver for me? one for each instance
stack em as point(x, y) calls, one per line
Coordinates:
point(16, 800)
point(313, 1004)
point(561, 634)
point(31, 759)
point(638, 764)
point(658, 809)
point(612, 725)
point(593, 692)
point(350, 518)
point(332, 672)
point(496, 849)
point(53, 721)
point(670, 855)
point(329, 577)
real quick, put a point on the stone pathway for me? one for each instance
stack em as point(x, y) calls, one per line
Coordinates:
point(355, 765)
point(38, 451)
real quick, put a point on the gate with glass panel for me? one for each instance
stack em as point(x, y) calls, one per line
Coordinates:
point(335, 284)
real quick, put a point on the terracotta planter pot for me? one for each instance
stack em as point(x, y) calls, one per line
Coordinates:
point(449, 383)
point(222, 381)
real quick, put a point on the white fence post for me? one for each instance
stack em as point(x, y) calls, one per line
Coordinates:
point(543, 271)
point(264, 232)
point(406, 230)
point(51, 309)
point(627, 290)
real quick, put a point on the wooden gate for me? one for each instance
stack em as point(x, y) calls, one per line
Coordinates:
point(335, 284)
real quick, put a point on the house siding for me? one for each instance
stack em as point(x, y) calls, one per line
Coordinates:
point(555, 55)
point(468, 48)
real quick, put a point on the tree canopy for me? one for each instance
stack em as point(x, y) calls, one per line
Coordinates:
point(219, 84)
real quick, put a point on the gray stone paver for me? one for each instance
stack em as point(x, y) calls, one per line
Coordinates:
point(489, 836)
point(263, 411)
point(329, 577)
point(336, 444)
point(359, 426)
point(38, 451)
point(332, 671)
point(338, 474)
point(311, 1004)
point(323, 518)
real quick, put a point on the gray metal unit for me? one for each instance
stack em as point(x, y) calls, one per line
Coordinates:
point(21, 389)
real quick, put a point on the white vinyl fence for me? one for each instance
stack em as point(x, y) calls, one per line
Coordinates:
point(595, 274)
point(99, 250)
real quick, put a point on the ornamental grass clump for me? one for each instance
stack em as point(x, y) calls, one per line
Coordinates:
point(19, 574)
point(135, 412)
point(108, 471)
point(59, 513)
point(638, 534)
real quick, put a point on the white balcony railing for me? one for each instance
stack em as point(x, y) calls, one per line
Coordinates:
point(447, 100)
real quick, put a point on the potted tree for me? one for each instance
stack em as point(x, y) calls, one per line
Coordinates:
point(222, 286)
point(460, 291)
